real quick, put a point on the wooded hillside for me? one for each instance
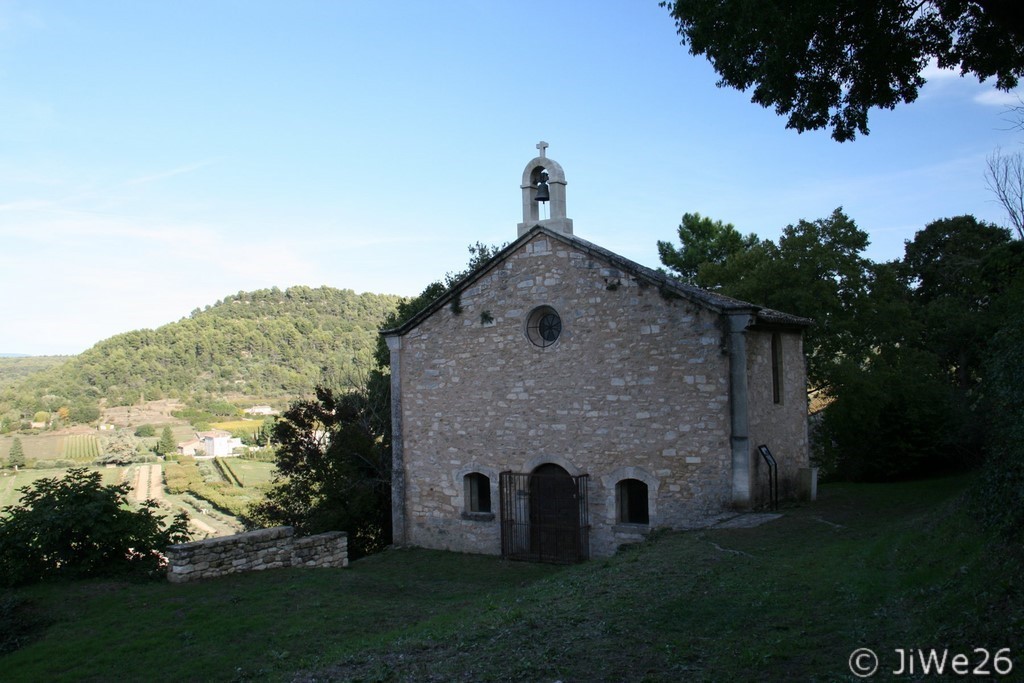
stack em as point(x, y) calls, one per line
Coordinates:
point(264, 343)
point(14, 369)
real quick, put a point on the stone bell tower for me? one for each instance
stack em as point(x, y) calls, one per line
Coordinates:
point(544, 183)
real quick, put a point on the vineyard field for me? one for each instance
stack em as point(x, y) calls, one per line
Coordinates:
point(81, 448)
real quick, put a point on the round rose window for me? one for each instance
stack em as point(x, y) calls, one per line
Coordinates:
point(544, 326)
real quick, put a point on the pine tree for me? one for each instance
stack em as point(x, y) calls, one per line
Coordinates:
point(167, 444)
point(16, 458)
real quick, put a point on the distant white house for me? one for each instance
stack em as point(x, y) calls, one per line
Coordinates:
point(213, 444)
point(260, 410)
point(190, 447)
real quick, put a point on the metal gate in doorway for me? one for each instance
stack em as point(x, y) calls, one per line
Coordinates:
point(544, 516)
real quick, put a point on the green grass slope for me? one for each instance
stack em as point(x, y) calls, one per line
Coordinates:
point(875, 566)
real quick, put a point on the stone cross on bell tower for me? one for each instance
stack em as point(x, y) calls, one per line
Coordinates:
point(541, 177)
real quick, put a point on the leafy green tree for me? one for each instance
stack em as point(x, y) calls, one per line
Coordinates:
point(898, 346)
point(16, 458)
point(120, 449)
point(918, 402)
point(1001, 493)
point(826, 63)
point(167, 444)
point(84, 412)
point(333, 472)
point(145, 431)
point(704, 241)
point(75, 527)
point(817, 270)
point(263, 435)
point(894, 417)
point(957, 267)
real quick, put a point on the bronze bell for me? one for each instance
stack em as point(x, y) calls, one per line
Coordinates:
point(542, 189)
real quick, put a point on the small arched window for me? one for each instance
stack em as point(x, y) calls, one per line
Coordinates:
point(477, 489)
point(631, 497)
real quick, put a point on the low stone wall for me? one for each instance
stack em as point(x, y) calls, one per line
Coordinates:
point(255, 550)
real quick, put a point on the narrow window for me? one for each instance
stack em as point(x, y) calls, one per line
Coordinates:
point(776, 367)
point(478, 492)
point(632, 497)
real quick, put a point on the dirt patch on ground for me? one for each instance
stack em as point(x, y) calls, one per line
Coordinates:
point(150, 412)
point(149, 483)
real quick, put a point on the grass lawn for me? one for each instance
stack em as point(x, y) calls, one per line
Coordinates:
point(877, 566)
point(43, 446)
point(252, 472)
point(10, 481)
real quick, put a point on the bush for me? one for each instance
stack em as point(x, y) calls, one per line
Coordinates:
point(84, 412)
point(1001, 494)
point(145, 430)
point(265, 454)
point(897, 418)
point(75, 527)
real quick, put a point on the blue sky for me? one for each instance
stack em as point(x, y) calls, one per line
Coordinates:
point(155, 157)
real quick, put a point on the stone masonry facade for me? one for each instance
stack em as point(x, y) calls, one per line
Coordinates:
point(636, 387)
point(272, 548)
point(781, 426)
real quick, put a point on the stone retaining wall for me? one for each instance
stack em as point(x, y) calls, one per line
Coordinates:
point(255, 550)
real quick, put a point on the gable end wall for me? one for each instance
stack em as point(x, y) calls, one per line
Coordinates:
point(635, 387)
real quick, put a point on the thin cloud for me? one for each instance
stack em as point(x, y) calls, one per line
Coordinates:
point(932, 72)
point(181, 170)
point(999, 98)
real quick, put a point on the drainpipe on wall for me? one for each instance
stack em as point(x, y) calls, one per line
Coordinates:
point(398, 529)
point(740, 434)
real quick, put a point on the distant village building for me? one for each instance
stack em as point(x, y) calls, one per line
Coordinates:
point(561, 400)
point(190, 447)
point(260, 410)
point(211, 444)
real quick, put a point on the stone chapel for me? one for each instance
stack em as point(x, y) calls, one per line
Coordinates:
point(562, 400)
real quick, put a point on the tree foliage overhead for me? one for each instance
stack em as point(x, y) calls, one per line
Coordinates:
point(264, 343)
point(825, 63)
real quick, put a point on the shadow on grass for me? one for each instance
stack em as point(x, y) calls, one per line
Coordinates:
point(878, 566)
